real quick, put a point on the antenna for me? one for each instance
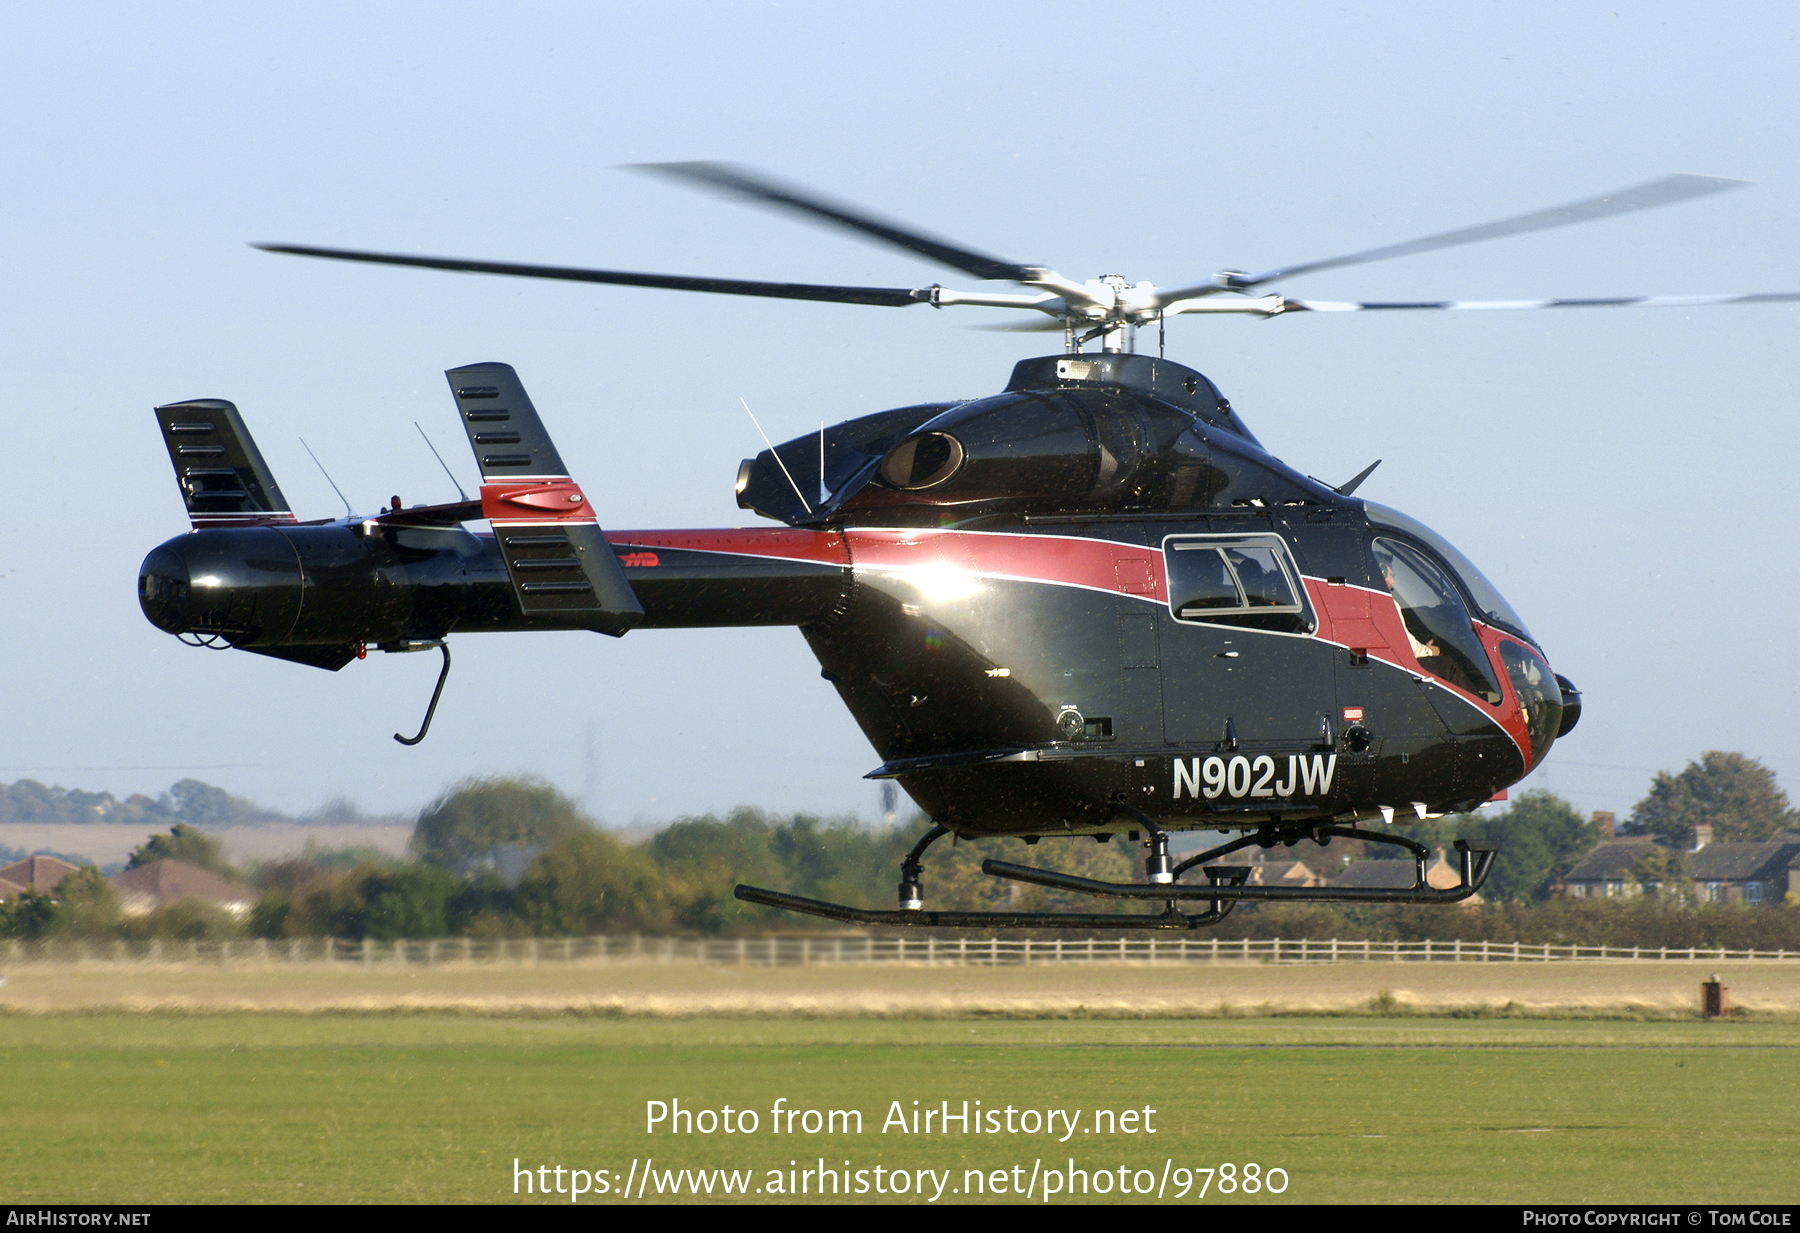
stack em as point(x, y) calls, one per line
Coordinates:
point(824, 492)
point(441, 462)
point(778, 462)
point(348, 512)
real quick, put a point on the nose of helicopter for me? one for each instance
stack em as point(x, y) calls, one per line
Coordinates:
point(1571, 705)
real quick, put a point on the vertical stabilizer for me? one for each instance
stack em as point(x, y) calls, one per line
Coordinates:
point(222, 475)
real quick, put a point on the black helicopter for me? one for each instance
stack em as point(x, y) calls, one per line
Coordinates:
point(1090, 604)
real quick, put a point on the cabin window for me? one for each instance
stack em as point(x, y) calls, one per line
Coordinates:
point(1236, 580)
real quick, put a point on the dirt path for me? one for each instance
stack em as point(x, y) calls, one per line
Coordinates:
point(1652, 989)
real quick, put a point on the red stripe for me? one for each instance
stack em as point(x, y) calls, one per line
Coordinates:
point(1370, 621)
point(1351, 616)
point(1102, 565)
point(1513, 713)
point(823, 547)
point(1097, 564)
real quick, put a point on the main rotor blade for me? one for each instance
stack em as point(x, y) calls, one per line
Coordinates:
point(1022, 327)
point(742, 182)
point(1623, 301)
point(1660, 192)
point(886, 297)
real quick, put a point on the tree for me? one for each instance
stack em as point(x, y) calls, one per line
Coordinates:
point(28, 916)
point(1664, 871)
point(85, 906)
point(182, 843)
point(479, 815)
point(414, 901)
point(204, 805)
point(81, 905)
point(1735, 795)
point(185, 920)
point(702, 859)
point(588, 881)
point(1540, 838)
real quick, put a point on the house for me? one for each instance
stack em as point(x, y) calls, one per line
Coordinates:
point(1748, 873)
point(1282, 873)
point(9, 889)
point(163, 882)
point(37, 873)
point(1605, 873)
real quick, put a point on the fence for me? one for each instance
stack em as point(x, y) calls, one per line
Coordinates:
point(820, 951)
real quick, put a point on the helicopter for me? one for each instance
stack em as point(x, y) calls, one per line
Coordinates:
point(1087, 606)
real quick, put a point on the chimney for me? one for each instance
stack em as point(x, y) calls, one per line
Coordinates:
point(1603, 822)
point(1702, 835)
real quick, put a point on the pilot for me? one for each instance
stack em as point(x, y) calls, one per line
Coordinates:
point(1421, 650)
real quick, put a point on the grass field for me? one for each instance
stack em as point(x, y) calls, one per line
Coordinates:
point(397, 1104)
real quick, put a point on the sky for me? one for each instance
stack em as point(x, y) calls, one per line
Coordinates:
point(1623, 475)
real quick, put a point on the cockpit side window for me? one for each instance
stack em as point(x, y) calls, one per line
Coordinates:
point(1235, 580)
point(1438, 627)
point(1489, 605)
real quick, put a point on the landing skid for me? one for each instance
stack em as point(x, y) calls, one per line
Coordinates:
point(1226, 886)
point(919, 918)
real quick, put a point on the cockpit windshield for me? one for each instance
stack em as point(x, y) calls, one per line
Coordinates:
point(1437, 625)
point(1489, 605)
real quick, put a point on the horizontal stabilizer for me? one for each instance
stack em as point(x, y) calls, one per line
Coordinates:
point(223, 477)
point(555, 553)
